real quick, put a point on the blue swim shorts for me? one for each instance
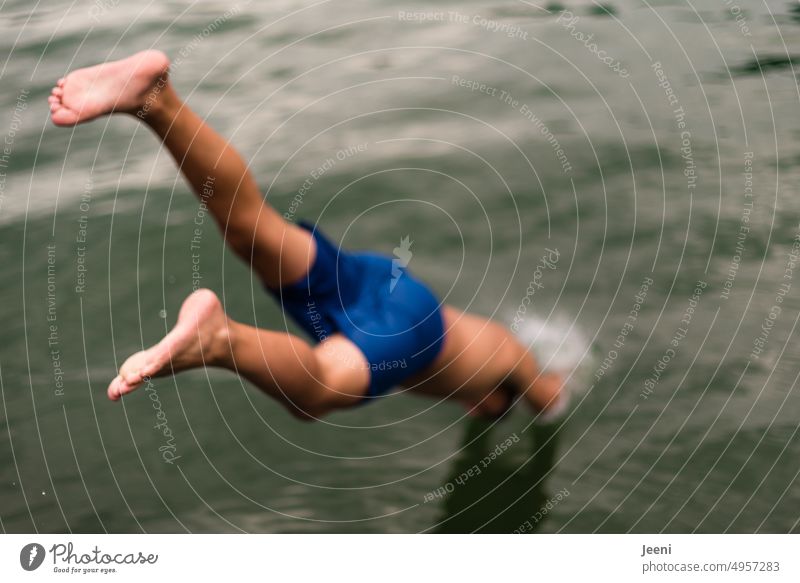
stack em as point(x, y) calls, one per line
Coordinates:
point(392, 317)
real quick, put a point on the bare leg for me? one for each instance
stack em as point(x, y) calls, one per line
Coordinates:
point(480, 363)
point(308, 381)
point(278, 251)
point(332, 375)
point(311, 380)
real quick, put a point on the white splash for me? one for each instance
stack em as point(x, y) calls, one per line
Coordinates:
point(559, 346)
point(557, 343)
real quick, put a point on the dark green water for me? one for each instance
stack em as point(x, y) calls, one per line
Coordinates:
point(675, 160)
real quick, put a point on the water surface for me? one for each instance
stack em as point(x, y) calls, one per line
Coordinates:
point(487, 133)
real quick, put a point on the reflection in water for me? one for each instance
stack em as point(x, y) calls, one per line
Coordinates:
point(602, 10)
point(504, 493)
point(794, 12)
point(759, 65)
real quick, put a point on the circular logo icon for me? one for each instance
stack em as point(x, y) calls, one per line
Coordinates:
point(31, 556)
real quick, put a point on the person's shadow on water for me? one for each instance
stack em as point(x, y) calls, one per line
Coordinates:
point(498, 483)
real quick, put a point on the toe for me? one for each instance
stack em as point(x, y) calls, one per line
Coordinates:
point(119, 387)
point(126, 387)
point(131, 370)
point(57, 91)
point(115, 388)
point(63, 116)
point(151, 368)
point(132, 377)
point(60, 82)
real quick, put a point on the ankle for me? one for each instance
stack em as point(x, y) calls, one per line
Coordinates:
point(159, 104)
point(221, 350)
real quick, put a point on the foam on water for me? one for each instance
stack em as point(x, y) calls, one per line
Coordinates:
point(559, 346)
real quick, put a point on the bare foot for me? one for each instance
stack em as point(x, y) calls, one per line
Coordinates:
point(199, 338)
point(125, 86)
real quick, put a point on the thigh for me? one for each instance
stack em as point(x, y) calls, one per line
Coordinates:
point(280, 252)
